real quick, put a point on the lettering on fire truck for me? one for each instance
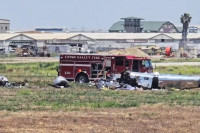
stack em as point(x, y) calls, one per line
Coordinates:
point(83, 57)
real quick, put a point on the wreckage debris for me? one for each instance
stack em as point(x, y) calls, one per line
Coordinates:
point(129, 80)
point(109, 84)
point(60, 82)
point(16, 84)
point(128, 87)
point(113, 85)
point(3, 81)
point(158, 81)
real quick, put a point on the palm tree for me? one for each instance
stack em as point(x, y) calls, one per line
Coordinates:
point(185, 20)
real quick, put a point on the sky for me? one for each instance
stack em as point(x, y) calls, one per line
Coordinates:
point(93, 14)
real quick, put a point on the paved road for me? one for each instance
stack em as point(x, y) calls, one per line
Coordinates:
point(178, 64)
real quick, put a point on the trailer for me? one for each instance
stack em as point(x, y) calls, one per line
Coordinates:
point(83, 68)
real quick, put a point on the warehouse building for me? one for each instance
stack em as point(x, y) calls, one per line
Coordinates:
point(135, 25)
point(191, 29)
point(194, 29)
point(93, 42)
point(132, 24)
point(158, 27)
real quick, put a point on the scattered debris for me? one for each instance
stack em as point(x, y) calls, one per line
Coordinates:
point(135, 80)
point(17, 84)
point(60, 82)
point(4, 82)
point(159, 81)
point(110, 84)
point(128, 81)
point(114, 85)
point(128, 87)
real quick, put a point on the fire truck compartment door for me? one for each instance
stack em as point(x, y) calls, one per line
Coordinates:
point(119, 64)
point(135, 66)
point(67, 71)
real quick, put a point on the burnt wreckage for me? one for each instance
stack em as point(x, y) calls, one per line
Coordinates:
point(158, 81)
point(3, 81)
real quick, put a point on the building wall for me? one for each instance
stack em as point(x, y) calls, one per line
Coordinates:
point(4, 25)
point(6, 43)
point(58, 48)
point(1, 43)
point(174, 45)
point(75, 45)
point(4, 28)
point(40, 43)
point(195, 41)
point(132, 25)
point(193, 29)
point(168, 28)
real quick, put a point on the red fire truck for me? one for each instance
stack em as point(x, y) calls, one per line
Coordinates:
point(82, 68)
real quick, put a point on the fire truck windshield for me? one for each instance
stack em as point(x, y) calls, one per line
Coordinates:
point(147, 63)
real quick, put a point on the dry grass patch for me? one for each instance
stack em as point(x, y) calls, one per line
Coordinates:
point(157, 118)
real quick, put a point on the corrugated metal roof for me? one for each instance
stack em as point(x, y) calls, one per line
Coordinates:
point(193, 35)
point(179, 35)
point(51, 36)
point(120, 36)
point(148, 26)
point(116, 27)
point(6, 36)
point(152, 25)
point(99, 36)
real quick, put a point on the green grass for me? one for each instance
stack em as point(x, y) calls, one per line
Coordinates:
point(184, 70)
point(175, 60)
point(30, 69)
point(13, 55)
point(40, 96)
point(89, 98)
point(39, 74)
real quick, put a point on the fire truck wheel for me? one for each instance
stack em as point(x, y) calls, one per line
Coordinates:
point(82, 78)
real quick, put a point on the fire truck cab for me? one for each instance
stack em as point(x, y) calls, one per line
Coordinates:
point(83, 68)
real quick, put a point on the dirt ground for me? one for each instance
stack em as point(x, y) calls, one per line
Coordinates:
point(28, 59)
point(157, 118)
